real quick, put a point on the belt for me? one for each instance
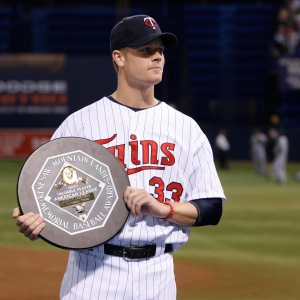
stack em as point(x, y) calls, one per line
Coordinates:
point(134, 252)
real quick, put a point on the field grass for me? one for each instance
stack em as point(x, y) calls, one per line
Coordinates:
point(9, 235)
point(254, 252)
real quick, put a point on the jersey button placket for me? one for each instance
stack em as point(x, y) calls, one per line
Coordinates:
point(132, 137)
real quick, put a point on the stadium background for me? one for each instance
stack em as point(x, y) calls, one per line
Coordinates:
point(54, 59)
point(222, 73)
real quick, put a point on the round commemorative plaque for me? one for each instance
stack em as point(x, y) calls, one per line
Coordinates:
point(77, 186)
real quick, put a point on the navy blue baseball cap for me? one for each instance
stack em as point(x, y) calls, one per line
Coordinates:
point(138, 30)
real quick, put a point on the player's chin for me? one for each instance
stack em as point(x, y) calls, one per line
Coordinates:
point(155, 79)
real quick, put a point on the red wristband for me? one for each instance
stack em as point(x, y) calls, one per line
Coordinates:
point(171, 213)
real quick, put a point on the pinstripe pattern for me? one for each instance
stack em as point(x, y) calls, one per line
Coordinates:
point(92, 275)
point(99, 276)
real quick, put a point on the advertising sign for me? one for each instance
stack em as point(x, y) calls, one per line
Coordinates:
point(41, 90)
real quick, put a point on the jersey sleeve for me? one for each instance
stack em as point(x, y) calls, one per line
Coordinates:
point(204, 180)
point(68, 128)
point(57, 134)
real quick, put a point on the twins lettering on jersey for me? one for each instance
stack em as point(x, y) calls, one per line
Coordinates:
point(151, 151)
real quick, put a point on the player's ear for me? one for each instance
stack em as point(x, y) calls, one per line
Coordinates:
point(118, 57)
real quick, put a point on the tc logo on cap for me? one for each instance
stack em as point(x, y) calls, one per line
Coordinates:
point(150, 22)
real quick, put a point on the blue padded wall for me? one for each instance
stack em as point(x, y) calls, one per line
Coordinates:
point(73, 30)
point(228, 54)
point(5, 29)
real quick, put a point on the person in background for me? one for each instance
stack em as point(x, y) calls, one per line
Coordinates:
point(258, 141)
point(223, 147)
point(272, 136)
point(281, 150)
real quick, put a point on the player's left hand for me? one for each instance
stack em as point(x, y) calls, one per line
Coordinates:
point(140, 202)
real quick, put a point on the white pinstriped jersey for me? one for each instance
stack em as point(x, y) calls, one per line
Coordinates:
point(163, 151)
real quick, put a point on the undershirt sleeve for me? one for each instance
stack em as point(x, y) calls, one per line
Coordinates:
point(209, 211)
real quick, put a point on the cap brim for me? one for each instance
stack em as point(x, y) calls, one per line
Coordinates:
point(169, 40)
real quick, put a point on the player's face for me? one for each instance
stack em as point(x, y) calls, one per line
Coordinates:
point(144, 65)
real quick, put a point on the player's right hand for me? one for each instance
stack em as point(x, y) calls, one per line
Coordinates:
point(29, 224)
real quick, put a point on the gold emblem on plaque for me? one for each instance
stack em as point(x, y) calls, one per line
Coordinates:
point(69, 176)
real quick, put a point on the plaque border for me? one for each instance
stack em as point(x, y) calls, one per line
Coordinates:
point(51, 234)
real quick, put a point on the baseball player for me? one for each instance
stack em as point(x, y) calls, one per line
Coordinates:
point(173, 180)
point(258, 141)
point(280, 157)
point(222, 147)
point(270, 146)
